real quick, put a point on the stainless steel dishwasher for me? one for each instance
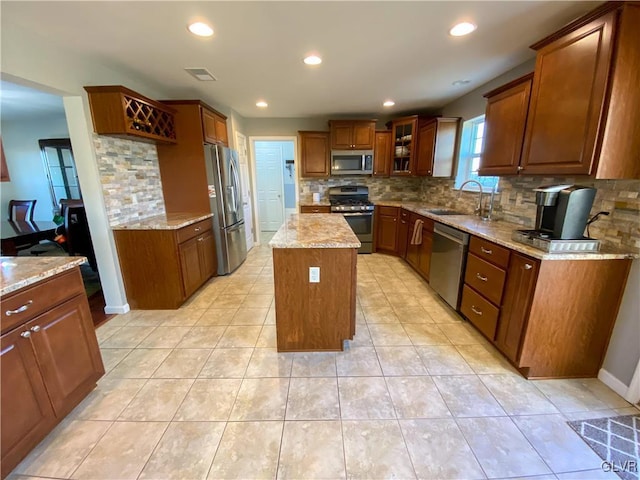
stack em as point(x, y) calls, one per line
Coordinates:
point(448, 259)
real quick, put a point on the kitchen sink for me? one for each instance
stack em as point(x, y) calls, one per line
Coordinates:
point(445, 211)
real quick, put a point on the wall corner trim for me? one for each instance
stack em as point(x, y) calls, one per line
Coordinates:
point(119, 309)
point(626, 392)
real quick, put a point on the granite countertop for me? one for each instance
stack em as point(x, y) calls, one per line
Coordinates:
point(500, 232)
point(170, 221)
point(20, 272)
point(320, 230)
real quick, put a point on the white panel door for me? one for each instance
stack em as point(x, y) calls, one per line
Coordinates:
point(241, 145)
point(270, 188)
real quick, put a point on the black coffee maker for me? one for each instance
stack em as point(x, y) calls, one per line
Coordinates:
point(563, 210)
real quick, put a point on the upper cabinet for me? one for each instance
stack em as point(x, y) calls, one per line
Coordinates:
point(424, 146)
point(214, 126)
point(505, 121)
point(382, 154)
point(583, 117)
point(314, 154)
point(352, 134)
point(437, 146)
point(118, 111)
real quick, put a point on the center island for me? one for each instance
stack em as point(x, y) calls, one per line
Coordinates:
point(314, 268)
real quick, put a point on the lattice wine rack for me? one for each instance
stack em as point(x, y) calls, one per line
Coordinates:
point(118, 111)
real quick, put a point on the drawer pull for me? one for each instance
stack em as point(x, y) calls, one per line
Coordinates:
point(485, 250)
point(315, 210)
point(35, 328)
point(197, 229)
point(20, 309)
point(481, 277)
point(201, 239)
point(528, 266)
point(476, 311)
point(26, 334)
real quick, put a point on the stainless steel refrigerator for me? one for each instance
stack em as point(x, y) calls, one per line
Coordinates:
point(225, 197)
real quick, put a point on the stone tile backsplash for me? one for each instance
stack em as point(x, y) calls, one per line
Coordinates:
point(392, 188)
point(515, 203)
point(130, 178)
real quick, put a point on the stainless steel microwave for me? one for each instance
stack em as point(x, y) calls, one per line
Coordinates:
point(351, 162)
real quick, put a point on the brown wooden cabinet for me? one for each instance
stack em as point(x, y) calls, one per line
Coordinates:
point(118, 111)
point(584, 117)
point(437, 147)
point(315, 209)
point(522, 274)
point(403, 233)
point(183, 165)
point(314, 154)
point(419, 255)
point(4, 170)
point(386, 228)
point(352, 134)
point(542, 314)
point(214, 126)
point(176, 262)
point(505, 121)
point(424, 146)
point(382, 154)
point(50, 361)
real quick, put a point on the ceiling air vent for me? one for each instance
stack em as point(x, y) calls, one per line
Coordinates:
point(201, 74)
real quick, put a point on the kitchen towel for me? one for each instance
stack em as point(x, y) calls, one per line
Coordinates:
point(416, 238)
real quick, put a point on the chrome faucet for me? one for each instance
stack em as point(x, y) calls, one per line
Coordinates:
point(490, 208)
point(478, 209)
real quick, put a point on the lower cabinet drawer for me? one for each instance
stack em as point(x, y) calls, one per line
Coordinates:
point(479, 311)
point(315, 209)
point(485, 278)
point(193, 230)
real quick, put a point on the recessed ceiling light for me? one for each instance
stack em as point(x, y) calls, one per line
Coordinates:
point(460, 29)
point(262, 104)
point(388, 103)
point(201, 29)
point(313, 60)
point(460, 82)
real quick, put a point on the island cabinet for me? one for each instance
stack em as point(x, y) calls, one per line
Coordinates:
point(314, 267)
point(583, 118)
point(352, 134)
point(118, 111)
point(183, 165)
point(314, 154)
point(382, 154)
point(550, 318)
point(50, 360)
point(505, 121)
point(176, 261)
point(386, 228)
point(418, 253)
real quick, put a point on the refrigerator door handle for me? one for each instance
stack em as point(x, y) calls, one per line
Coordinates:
point(236, 181)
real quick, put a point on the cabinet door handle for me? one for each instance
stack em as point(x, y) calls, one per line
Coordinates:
point(484, 250)
point(476, 311)
point(481, 277)
point(520, 168)
point(394, 219)
point(26, 334)
point(35, 328)
point(528, 266)
point(19, 309)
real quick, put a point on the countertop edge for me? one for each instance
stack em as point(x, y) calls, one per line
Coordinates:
point(26, 282)
point(450, 220)
point(137, 225)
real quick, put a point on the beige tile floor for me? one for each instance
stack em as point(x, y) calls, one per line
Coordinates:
point(202, 393)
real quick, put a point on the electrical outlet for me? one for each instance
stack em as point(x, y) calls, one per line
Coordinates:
point(314, 274)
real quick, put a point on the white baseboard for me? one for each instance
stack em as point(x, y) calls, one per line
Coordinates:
point(626, 392)
point(120, 309)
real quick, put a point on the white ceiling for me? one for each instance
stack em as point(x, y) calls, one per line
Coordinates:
point(371, 50)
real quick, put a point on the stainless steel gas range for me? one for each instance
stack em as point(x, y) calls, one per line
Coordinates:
point(353, 202)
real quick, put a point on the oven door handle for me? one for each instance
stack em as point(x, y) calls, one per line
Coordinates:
point(357, 214)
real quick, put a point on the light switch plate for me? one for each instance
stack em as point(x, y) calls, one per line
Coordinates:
point(314, 274)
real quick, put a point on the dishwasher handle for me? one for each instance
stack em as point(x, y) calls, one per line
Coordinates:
point(452, 234)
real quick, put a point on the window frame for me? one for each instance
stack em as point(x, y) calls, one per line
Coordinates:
point(468, 152)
